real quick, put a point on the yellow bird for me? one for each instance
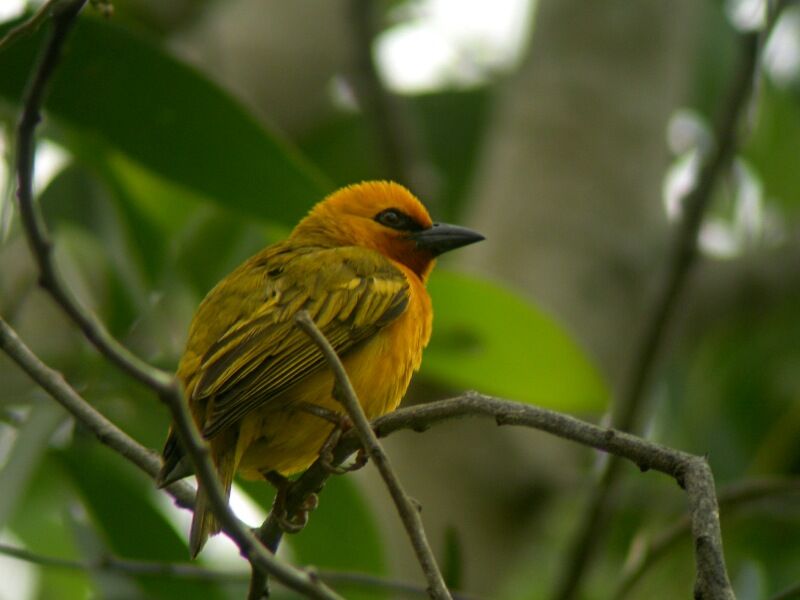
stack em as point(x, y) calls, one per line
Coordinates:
point(358, 263)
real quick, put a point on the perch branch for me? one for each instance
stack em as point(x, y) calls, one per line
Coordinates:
point(626, 411)
point(702, 519)
point(406, 508)
point(691, 472)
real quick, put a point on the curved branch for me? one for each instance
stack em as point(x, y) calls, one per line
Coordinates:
point(691, 472)
point(64, 16)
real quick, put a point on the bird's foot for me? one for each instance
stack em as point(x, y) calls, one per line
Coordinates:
point(295, 522)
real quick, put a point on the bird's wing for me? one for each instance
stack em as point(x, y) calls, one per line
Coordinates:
point(350, 293)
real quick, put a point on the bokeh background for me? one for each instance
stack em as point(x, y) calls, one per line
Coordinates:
point(181, 137)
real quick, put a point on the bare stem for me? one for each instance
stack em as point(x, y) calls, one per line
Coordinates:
point(406, 508)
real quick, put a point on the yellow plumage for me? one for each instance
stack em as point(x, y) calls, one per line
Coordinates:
point(248, 370)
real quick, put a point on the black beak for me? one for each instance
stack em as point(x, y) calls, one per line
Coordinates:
point(441, 237)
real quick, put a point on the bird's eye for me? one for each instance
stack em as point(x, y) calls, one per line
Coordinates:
point(391, 217)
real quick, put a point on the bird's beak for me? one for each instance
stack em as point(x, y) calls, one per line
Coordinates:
point(441, 237)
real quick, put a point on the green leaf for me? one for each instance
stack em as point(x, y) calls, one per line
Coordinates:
point(40, 523)
point(122, 508)
point(775, 145)
point(122, 91)
point(26, 453)
point(488, 338)
point(451, 127)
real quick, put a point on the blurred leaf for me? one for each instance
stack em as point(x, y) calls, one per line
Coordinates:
point(118, 89)
point(343, 148)
point(774, 146)
point(341, 534)
point(715, 56)
point(122, 508)
point(108, 584)
point(40, 523)
point(78, 212)
point(453, 561)
point(487, 338)
point(30, 445)
point(451, 127)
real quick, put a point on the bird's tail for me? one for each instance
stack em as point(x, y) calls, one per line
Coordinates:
point(204, 523)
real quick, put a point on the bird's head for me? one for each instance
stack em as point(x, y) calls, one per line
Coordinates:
point(385, 217)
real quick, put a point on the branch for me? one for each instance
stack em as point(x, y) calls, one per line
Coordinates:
point(730, 498)
point(185, 571)
point(64, 15)
point(110, 435)
point(29, 26)
point(626, 411)
point(52, 382)
point(691, 472)
point(406, 508)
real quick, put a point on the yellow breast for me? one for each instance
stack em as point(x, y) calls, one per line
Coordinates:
point(282, 437)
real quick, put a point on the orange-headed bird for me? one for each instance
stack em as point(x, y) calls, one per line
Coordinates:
point(358, 263)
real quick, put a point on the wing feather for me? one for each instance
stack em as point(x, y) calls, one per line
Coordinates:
point(349, 292)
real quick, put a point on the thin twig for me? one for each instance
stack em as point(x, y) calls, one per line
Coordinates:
point(731, 497)
point(64, 16)
point(626, 411)
point(406, 508)
point(28, 26)
point(172, 570)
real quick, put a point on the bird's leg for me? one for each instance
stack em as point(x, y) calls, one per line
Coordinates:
point(341, 424)
point(297, 521)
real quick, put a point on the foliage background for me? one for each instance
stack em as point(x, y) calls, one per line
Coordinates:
point(188, 135)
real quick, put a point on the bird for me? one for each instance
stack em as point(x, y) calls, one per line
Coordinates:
point(358, 263)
